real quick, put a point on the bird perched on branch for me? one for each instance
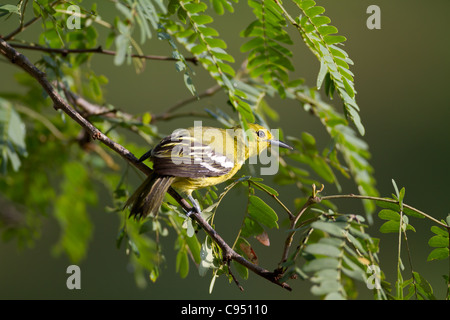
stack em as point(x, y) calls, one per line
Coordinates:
point(194, 158)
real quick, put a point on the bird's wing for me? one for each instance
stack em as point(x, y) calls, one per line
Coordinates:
point(181, 155)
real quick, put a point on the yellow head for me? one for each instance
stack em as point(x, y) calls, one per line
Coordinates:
point(260, 139)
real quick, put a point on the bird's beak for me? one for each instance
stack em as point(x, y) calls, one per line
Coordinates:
point(280, 144)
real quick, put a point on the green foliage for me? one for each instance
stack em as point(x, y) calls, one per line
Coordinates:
point(332, 250)
point(338, 251)
point(12, 137)
point(334, 72)
point(393, 223)
point(268, 57)
point(71, 211)
point(259, 211)
point(181, 64)
point(137, 13)
point(441, 244)
point(202, 41)
point(8, 8)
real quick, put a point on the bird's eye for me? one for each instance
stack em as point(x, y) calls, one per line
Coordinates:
point(260, 133)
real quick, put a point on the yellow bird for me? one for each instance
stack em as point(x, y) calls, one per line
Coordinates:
point(194, 158)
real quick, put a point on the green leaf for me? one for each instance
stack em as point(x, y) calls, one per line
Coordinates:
point(189, 83)
point(199, 48)
point(8, 8)
point(438, 242)
point(195, 7)
point(251, 228)
point(208, 32)
point(201, 19)
point(120, 237)
point(12, 136)
point(261, 212)
point(124, 10)
point(243, 247)
point(387, 214)
point(334, 39)
point(122, 43)
point(439, 231)
point(218, 6)
point(320, 20)
point(252, 44)
point(321, 264)
point(333, 228)
point(392, 226)
point(438, 254)
point(397, 193)
point(314, 11)
point(305, 4)
point(146, 118)
point(325, 275)
point(323, 249)
point(182, 263)
point(242, 271)
point(226, 68)
point(134, 248)
point(189, 226)
point(326, 30)
point(222, 55)
point(246, 112)
point(322, 74)
point(423, 287)
point(146, 255)
point(216, 43)
point(266, 188)
point(396, 207)
point(353, 270)
point(329, 286)
point(207, 258)
point(194, 247)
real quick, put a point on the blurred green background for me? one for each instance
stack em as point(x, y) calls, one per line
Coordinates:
point(401, 76)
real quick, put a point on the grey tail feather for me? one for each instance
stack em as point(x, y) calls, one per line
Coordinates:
point(149, 195)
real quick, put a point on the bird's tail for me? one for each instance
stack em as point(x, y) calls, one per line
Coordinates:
point(149, 196)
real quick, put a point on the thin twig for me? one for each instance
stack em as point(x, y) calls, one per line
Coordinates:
point(99, 50)
point(355, 196)
point(207, 93)
point(290, 237)
point(37, 116)
point(232, 276)
point(409, 259)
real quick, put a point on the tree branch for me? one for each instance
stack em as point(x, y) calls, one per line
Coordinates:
point(98, 50)
point(93, 109)
point(59, 103)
